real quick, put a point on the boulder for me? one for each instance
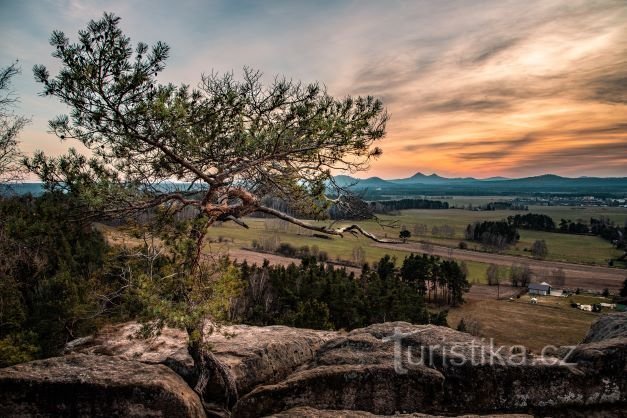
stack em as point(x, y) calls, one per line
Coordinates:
point(399, 367)
point(264, 355)
point(607, 358)
point(608, 326)
point(124, 340)
point(82, 385)
point(253, 355)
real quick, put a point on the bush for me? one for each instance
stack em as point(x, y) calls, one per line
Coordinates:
point(286, 249)
point(461, 326)
point(463, 245)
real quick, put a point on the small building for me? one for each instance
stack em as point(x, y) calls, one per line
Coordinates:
point(542, 289)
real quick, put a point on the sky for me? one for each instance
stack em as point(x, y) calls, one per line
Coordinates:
point(474, 88)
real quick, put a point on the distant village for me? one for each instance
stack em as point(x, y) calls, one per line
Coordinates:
point(571, 201)
point(523, 203)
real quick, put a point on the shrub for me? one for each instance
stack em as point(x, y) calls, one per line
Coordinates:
point(286, 249)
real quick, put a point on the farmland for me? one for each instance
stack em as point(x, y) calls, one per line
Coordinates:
point(581, 249)
point(566, 248)
point(552, 321)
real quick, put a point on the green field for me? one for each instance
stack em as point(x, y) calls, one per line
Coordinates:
point(562, 247)
point(231, 235)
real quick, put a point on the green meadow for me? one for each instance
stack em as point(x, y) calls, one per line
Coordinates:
point(562, 247)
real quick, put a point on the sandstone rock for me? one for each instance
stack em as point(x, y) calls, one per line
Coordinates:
point(608, 326)
point(254, 355)
point(307, 412)
point(607, 357)
point(438, 370)
point(264, 355)
point(168, 348)
point(85, 386)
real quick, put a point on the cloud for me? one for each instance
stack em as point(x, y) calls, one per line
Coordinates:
point(611, 88)
point(497, 87)
point(492, 49)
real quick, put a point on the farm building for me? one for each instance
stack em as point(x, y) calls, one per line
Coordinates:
point(542, 289)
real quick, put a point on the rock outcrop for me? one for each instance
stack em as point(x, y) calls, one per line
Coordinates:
point(253, 355)
point(384, 369)
point(608, 326)
point(263, 355)
point(307, 412)
point(123, 340)
point(81, 385)
point(399, 367)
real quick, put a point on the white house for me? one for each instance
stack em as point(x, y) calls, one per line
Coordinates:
point(542, 289)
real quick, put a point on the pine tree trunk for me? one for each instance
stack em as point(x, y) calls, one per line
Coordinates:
point(206, 366)
point(197, 236)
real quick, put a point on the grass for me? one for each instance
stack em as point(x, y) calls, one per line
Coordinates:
point(581, 249)
point(550, 322)
point(562, 247)
point(231, 235)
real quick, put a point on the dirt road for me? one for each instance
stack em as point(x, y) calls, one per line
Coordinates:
point(577, 275)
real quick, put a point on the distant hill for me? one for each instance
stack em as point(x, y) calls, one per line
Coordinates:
point(433, 184)
point(420, 178)
point(348, 181)
point(33, 188)
point(421, 183)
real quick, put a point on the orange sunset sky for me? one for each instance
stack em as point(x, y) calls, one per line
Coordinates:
point(474, 88)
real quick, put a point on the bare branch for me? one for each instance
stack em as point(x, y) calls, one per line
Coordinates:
point(352, 229)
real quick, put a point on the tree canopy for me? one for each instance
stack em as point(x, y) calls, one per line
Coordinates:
point(218, 150)
point(234, 141)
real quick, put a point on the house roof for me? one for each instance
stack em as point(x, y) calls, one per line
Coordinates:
point(536, 286)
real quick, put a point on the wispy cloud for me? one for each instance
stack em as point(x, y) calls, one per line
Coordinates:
point(474, 88)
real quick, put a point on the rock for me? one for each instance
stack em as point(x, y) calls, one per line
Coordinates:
point(264, 355)
point(307, 412)
point(607, 358)
point(168, 348)
point(608, 326)
point(399, 367)
point(254, 355)
point(84, 386)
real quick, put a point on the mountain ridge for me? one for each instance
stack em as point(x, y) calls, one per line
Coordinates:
point(544, 183)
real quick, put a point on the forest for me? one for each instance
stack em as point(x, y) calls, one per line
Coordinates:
point(61, 280)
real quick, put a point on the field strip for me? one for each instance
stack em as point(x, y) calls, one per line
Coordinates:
point(577, 275)
point(253, 257)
